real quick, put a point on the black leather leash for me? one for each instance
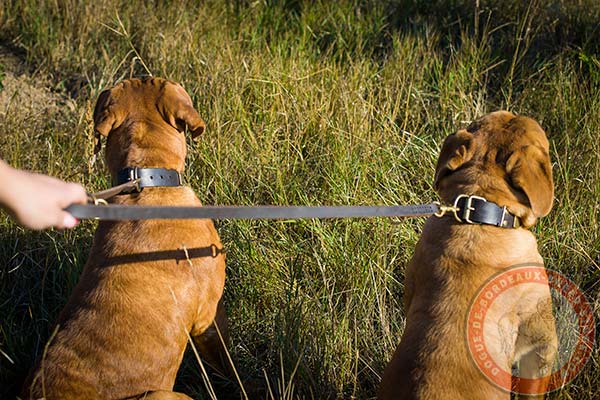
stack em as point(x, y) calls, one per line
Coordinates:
point(466, 209)
point(484, 212)
point(125, 213)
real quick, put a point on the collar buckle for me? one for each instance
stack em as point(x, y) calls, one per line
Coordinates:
point(132, 173)
point(468, 207)
point(483, 213)
point(134, 177)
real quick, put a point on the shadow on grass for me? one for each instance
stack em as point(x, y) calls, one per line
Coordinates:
point(520, 36)
point(558, 25)
point(37, 274)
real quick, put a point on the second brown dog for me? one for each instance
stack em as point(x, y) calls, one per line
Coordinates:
point(503, 158)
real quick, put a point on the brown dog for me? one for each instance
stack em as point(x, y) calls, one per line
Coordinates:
point(503, 158)
point(147, 285)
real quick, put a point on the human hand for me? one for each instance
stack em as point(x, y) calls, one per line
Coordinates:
point(38, 201)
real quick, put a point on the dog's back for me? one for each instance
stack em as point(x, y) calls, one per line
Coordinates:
point(443, 277)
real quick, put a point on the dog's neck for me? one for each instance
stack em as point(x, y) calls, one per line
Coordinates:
point(145, 147)
point(496, 191)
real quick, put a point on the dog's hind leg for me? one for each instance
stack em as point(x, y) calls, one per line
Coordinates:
point(536, 345)
point(213, 342)
point(160, 395)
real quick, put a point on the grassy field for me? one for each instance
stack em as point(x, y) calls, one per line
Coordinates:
point(308, 103)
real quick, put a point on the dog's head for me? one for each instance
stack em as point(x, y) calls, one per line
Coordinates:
point(145, 121)
point(502, 157)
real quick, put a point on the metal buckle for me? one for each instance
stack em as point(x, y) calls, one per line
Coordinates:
point(468, 208)
point(92, 199)
point(134, 177)
point(214, 250)
point(133, 173)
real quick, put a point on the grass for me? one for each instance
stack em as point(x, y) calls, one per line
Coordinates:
point(306, 103)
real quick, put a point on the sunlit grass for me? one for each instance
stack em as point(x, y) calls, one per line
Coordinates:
point(306, 103)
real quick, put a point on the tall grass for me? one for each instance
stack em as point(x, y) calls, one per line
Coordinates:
point(306, 103)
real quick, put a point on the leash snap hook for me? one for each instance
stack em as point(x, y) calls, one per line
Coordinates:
point(96, 201)
point(443, 209)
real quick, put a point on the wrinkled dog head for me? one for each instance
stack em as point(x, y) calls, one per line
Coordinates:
point(144, 121)
point(502, 157)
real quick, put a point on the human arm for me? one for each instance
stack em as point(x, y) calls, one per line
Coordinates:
point(38, 201)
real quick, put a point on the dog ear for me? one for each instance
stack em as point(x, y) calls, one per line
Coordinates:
point(530, 171)
point(104, 117)
point(179, 110)
point(457, 150)
point(190, 116)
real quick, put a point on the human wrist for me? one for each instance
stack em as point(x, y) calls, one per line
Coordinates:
point(14, 184)
point(7, 176)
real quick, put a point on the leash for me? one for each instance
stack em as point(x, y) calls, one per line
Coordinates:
point(468, 209)
point(134, 179)
point(112, 212)
point(101, 197)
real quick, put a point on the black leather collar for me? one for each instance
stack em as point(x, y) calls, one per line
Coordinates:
point(148, 177)
point(477, 210)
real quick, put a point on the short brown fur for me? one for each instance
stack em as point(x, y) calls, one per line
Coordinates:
point(505, 159)
point(125, 327)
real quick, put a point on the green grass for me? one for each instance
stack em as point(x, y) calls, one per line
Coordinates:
point(311, 103)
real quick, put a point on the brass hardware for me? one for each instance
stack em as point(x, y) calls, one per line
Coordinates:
point(445, 209)
point(468, 207)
